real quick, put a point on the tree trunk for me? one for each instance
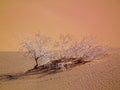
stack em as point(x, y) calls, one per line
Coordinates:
point(36, 66)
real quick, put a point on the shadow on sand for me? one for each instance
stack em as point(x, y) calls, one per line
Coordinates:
point(39, 72)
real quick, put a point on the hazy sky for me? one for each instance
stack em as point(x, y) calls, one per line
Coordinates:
point(100, 18)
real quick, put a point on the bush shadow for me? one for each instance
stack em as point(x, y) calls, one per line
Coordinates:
point(39, 72)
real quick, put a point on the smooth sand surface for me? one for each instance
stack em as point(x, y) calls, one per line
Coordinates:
point(103, 74)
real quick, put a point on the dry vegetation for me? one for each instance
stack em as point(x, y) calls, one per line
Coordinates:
point(62, 54)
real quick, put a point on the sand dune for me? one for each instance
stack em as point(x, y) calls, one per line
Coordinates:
point(103, 74)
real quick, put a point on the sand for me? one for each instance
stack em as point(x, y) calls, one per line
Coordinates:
point(103, 74)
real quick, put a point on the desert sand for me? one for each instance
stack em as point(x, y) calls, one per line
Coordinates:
point(103, 74)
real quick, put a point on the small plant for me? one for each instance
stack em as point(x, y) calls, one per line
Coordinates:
point(62, 53)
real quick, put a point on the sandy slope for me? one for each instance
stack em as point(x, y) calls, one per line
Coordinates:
point(101, 74)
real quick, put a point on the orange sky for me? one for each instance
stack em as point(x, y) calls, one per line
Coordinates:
point(100, 18)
